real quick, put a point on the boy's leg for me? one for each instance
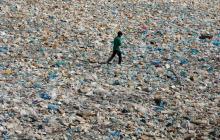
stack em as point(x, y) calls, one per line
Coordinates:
point(112, 56)
point(119, 56)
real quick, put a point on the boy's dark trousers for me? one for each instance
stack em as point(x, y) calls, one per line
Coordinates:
point(113, 55)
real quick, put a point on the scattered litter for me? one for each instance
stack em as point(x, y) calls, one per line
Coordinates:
point(54, 84)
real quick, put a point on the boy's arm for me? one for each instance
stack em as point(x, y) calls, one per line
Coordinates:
point(119, 42)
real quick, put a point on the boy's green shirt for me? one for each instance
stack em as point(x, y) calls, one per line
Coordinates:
point(117, 43)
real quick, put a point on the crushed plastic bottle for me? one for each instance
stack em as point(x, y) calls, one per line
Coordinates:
point(45, 96)
point(53, 107)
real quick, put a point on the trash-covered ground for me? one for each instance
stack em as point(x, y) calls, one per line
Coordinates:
point(53, 87)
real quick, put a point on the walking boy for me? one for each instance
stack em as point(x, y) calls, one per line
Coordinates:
point(116, 48)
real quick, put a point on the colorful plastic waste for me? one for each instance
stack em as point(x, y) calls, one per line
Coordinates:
point(54, 83)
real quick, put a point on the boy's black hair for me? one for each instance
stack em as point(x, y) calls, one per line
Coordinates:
point(120, 33)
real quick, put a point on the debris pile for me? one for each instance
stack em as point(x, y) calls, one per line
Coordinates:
point(53, 86)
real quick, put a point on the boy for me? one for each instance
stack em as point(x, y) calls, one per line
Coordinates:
point(116, 48)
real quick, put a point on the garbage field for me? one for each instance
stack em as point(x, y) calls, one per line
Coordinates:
point(54, 84)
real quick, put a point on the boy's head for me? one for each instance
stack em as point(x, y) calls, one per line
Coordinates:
point(120, 33)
